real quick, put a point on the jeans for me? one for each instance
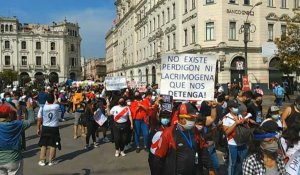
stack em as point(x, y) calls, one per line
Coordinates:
point(237, 154)
point(12, 168)
point(63, 110)
point(138, 125)
point(213, 156)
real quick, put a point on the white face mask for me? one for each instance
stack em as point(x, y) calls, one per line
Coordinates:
point(128, 103)
point(188, 125)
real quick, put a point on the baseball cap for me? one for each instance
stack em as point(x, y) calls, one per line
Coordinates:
point(232, 103)
point(5, 110)
point(274, 108)
point(187, 110)
point(269, 126)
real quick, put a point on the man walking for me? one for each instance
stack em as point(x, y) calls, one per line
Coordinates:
point(48, 118)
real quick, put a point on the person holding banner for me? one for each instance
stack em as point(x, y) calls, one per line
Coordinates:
point(122, 114)
point(263, 158)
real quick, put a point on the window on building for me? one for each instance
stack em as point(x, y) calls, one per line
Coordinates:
point(154, 48)
point(209, 1)
point(185, 6)
point(232, 30)
point(7, 60)
point(11, 28)
point(232, 1)
point(24, 60)
point(283, 3)
point(52, 45)
point(53, 61)
point(185, 37)
point(6, 45)
point(283, 30)
point(23, 45)
point(38, 45)
point(247, 2)
point(168, 43)
point(154, 23)
point(158, 21)
point(296, 4)
point(38, 60)
point(150, 23)
point(270, 32)
point(6, 28)
point(2, 28)
point(270, 3)
point(174, 41)
point(168, 14)
point(73, 62)
point(210, 31)
point(193, 4)
point(72, 47)
point(193, 34)
point(163, 17)
point(174, 11)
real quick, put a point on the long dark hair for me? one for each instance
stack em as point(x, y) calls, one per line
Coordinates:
point(254, 145)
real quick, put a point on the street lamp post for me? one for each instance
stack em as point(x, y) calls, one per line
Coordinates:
point(246, 29)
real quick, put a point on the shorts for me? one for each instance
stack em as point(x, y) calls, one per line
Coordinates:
point(77, 117)
point(50, 137)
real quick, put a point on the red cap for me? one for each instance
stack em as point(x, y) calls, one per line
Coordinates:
point(5, 110)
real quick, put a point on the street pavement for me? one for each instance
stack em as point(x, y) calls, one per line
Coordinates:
point(73, 159)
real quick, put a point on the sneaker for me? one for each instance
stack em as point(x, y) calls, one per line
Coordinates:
point(105, 140)
point(117, 154)
point(42, 162)
point(95, 145)
point(127, 147)
point(52, 163)
point(86, 147)
point(75, 137)
point(62, 120)
point(122, 154)
point(138, 150)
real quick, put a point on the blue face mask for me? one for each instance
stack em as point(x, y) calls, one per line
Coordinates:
point(235, 110)
point(165, 121)
point(276, 116)
point(8, 99)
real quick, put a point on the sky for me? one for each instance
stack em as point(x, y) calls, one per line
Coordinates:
point(95, 18)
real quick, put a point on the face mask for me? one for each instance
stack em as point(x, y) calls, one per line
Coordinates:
point(199, 127)
point(8, 99)
point(128, 103)
point(188, 125)
point(276, 116)
point(122, 103)
point(270, 150)
point(259, 102)
point(165, 121)
point(235, 110)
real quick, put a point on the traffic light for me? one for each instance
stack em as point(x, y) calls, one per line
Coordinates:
point(222, 66)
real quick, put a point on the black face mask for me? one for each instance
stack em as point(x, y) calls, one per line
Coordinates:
point(122, 103)
point(137, 97)
point(258, 102)
point(247, 101)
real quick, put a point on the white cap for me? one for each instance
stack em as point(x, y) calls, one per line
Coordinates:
point(62, 91)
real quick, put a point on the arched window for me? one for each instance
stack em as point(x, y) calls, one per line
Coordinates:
point(2, 28)
point(23, 45)
point(52, 45)
point(72, 48)
point(6, 27)
point(140, 75)
point(11, 28)
point(6, 45)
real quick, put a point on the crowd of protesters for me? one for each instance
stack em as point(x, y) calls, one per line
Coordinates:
point(181, 137)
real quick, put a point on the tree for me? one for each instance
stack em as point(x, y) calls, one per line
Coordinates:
point(289, 46)
point(8, 77)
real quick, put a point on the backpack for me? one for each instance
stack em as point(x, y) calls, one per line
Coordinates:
point(242, 134)
point(279, 92)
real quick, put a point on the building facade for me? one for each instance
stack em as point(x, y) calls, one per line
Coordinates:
point(147, 29)
point(95, 69)
point(40, 52)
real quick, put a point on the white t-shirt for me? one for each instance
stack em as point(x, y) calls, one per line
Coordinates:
point(228, 121)
point(50, 115)
point(118, 109)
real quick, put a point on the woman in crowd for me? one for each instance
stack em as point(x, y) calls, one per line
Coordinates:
point(263, 158)
point(121, 114)
point(91, 124)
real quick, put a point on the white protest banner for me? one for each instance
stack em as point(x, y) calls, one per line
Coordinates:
point(188, 76)
point(293, 165)
point(115, 83)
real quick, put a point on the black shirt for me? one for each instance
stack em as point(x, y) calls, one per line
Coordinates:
point(185, 156)
point(256, 112)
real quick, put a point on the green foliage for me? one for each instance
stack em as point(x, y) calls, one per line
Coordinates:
point(289, 47)
point(8, 77)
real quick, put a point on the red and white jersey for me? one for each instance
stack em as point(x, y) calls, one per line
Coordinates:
point(120, 113)
point(155, 141)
